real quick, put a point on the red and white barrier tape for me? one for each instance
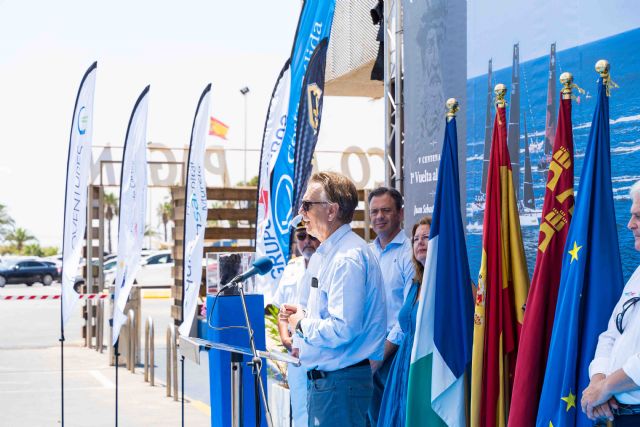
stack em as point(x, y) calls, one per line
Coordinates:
point(45, 297)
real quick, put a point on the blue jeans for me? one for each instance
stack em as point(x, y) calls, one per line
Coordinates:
point(341, 398)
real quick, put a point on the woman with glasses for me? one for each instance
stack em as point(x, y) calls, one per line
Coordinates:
point(394, 400)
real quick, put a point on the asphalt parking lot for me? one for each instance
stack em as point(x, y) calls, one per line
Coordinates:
point(30, 371)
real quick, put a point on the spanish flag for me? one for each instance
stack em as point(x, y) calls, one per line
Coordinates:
point(217, 128)
point(502, 286)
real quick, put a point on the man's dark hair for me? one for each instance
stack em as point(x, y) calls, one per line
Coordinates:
point(395, 195)
point(341, 190)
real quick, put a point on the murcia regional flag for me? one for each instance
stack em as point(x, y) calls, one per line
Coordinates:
point(503, 283)
point(541, 301)
point(442, 345)
point(133, 208)
point(75, 202)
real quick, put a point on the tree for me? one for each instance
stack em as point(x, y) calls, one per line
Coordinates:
point(110, 211)
point(6, 222)
point(19, 237)
point(33, 249)
point(165, 212)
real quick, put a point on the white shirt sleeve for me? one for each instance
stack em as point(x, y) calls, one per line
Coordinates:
point(602, 358)
point(345, 294)
point(632, 368)
point(395, 335)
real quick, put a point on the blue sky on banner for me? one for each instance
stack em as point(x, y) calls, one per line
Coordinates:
point(568, 23)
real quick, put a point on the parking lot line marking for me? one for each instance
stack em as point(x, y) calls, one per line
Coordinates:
point(106, 383)
point(201, 406)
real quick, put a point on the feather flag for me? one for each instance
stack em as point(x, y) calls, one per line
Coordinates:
point(75, 201)
point(195, 214)
point(133, 208)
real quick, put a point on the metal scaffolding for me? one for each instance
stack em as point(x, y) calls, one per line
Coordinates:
point(393, 91)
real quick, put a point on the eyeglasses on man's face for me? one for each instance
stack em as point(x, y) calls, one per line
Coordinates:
point(306, 204)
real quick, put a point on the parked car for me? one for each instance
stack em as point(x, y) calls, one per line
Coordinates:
point(155, 270)
point(28, 271)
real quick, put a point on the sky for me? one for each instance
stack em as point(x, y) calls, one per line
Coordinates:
point(177, 48)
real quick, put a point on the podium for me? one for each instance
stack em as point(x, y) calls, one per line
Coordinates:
point(233, 392)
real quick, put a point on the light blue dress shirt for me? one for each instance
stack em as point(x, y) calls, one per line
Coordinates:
point(397, 273)
point(346, 316)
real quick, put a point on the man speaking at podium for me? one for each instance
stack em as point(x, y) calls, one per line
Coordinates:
point(345, 324)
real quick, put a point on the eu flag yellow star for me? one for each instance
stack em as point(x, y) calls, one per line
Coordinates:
point(550, 424)
point(570, 399)
point(574, 252)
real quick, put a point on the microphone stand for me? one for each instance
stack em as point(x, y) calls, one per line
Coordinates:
point(256, 361)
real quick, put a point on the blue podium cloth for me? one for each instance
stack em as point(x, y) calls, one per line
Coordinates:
point(228, 312)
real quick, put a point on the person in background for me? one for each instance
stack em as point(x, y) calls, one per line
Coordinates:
point(393, 250)
point(614, 390)
point(344, 326)
point(394, 399)
point(288, 291)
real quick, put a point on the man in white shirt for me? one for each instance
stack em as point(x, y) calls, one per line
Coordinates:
point(288, 291)
point(345, 325)
point(614, 391)
point(393, 250)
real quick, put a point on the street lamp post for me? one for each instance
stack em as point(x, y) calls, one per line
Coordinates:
point(244, 91)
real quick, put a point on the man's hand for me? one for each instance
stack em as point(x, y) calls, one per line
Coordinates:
point(295, 352)
point(286, 342)
point(594, 398)
point(294, 318)
point(605, 411)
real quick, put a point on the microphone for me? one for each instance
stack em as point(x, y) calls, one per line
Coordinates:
point(260, 266)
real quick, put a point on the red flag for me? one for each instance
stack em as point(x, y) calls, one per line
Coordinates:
point(502, 288)
point(541, 303)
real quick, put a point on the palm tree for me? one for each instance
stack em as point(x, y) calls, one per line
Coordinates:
point(20, 236)
point(110, 211)
point(6, 222)
point(165, 212)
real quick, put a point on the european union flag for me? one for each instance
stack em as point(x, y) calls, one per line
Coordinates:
point(591, 280)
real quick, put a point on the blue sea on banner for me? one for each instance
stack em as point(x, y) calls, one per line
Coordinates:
point(625, 132)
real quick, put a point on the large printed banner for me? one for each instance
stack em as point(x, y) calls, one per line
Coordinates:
point(133, 208)
point(278, 155)
point(75, 203)
point(531, 58)
point(462, 49)
point(195, 213)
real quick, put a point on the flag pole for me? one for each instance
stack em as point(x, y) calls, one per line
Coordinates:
point(61, 364)
point(117, 356)
point(182, 404)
